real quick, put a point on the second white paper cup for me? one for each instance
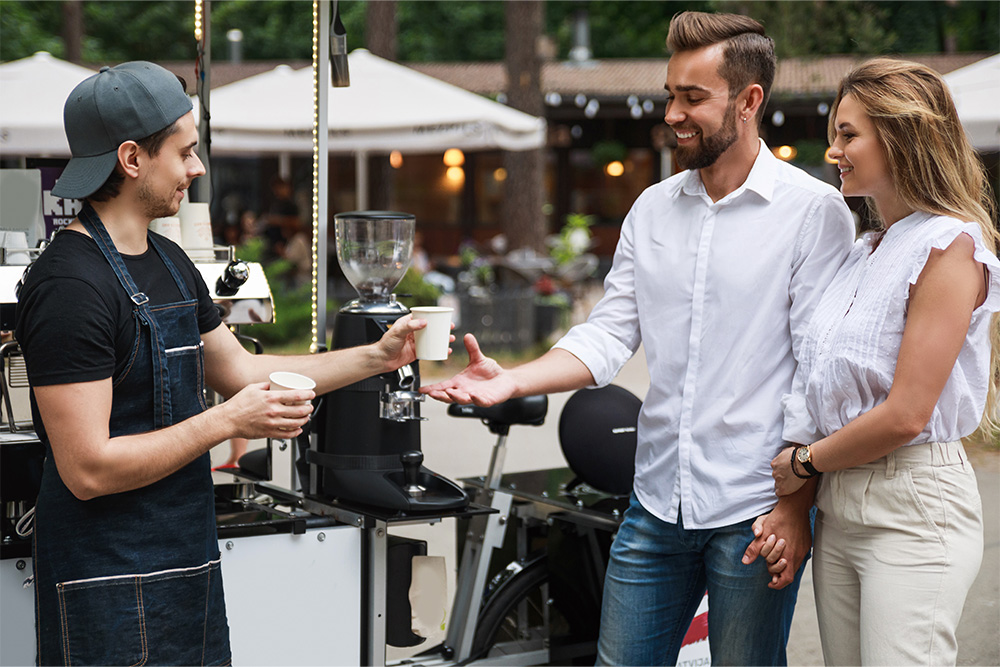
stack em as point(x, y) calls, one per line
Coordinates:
point(432, 341)
point(286, 381)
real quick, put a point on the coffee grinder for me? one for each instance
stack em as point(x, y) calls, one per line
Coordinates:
point(367, 448)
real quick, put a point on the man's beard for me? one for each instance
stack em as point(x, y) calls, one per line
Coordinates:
point(154, 206)
point(711, 147)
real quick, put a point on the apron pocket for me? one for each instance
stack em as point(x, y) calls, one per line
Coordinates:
point(158, 618)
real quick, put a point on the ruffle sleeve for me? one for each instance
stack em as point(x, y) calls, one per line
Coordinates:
point(943, 238)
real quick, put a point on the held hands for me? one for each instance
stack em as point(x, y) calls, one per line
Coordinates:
point(783, 555)
point(255, 412)
point(786, 482)
point(483, 381)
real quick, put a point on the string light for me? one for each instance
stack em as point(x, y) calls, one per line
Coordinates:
point(315, 182)
point(785, 152)
point(456, 175)
point(396, 159)
point(614, 169)
point(198, 14)
point(453, 157)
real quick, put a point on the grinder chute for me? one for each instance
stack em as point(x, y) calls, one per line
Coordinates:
point(367, 445)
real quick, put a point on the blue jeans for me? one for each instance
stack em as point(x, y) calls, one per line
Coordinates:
point(656, 579)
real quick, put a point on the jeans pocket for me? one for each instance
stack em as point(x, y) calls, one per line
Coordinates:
point(166, 617)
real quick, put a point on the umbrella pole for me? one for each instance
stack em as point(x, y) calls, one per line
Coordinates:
point(361, 179)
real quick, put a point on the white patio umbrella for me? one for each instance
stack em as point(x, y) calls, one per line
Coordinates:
point(976, 91)
point(33, 91)
point(387, 107)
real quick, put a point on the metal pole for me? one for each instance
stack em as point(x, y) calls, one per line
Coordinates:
point(203, 185)
point(321, 167)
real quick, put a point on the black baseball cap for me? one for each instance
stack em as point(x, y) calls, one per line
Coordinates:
point(124, 103)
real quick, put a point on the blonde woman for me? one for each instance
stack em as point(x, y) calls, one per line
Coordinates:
point(899, 363)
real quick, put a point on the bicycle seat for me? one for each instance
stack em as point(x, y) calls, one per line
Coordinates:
point(528, 410)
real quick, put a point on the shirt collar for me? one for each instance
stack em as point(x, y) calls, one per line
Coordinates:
point(760, 179)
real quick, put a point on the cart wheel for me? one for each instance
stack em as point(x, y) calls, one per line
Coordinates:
point(520, 617)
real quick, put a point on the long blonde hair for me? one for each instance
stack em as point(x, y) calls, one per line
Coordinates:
point(930, 160)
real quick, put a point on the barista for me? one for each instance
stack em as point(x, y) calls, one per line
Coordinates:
point(121, 337)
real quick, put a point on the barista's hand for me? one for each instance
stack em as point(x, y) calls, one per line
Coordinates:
point(483, 382)
point(397, 346)
point(256, 412)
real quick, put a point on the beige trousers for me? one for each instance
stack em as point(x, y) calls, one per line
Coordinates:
point(898, 544)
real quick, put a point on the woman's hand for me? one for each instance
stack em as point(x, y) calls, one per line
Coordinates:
point(786, 482)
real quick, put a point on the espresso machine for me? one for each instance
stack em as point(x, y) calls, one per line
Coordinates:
point(367, 444)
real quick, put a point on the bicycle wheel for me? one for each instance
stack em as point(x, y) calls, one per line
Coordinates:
point(519, 617)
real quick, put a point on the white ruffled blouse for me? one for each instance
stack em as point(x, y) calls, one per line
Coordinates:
point(849, 354)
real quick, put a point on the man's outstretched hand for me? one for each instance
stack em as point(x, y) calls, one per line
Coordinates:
point(483, 382)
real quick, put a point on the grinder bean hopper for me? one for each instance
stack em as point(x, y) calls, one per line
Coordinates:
point(367, 448)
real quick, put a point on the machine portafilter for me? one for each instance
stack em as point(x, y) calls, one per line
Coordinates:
point(367, 445)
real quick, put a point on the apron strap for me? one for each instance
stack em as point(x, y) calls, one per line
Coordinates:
point(162, 416)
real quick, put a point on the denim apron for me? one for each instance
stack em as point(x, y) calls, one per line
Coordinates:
point(134, 578)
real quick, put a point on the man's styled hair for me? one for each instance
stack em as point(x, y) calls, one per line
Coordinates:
point(748, 54)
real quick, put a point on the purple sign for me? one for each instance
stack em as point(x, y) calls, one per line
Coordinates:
point(58, 212)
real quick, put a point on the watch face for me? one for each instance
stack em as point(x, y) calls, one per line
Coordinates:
point(803, 455)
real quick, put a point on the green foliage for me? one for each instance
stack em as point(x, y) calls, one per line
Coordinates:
point(292, 304)
point(604, 152)
point(436, 30)
point(810, 152)
point(573, 239)
point(814, 27)
point(121, 31)
point(413, 290)
point(618, 29)
point(28, 27)
point(469, 30)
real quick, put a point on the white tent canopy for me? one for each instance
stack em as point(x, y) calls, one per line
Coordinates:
point(34, 91)
point(976, 90)
point(387, 107)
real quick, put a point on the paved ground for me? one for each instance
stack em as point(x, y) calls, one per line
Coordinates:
point(461, 447)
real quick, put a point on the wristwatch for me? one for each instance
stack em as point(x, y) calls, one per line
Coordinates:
point(803, 455)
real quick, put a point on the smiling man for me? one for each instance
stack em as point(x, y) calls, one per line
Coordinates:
point(716, 274)
point(121, 338)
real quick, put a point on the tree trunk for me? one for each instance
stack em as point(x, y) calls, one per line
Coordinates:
point(72, 30)
point(523, 221)
point(381, 29)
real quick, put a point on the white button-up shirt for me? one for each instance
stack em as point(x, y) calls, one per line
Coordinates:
point(719, 294)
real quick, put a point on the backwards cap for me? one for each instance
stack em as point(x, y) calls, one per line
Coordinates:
point(124, 103)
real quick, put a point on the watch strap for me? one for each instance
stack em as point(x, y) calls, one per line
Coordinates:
point(795, 471)
point(806, 465)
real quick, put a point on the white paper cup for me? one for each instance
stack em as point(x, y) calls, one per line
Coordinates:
point(169, 227)
point(286, 381)
point(196, 229)
point(433, 340)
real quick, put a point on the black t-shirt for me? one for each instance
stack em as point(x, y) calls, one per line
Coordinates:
point(74, 318)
